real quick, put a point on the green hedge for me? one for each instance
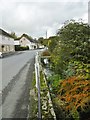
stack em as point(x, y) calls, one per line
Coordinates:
point(20, 48)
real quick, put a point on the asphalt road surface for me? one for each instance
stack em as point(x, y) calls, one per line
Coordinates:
point(15, 82)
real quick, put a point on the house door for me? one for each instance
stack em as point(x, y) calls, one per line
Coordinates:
point(2, 48)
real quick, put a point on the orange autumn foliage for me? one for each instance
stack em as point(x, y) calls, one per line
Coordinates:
point(75, 92)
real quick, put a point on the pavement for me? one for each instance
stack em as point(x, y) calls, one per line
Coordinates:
point(11, 53)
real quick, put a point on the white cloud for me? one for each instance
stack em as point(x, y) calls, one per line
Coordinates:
point(34, 18)
point(6, 1)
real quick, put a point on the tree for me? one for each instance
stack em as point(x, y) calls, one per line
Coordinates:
point(72, 49)
point(52, 42)
point(40, 40)
point(13, 35)
point(76, 36)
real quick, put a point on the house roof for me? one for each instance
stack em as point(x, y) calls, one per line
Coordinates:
point(26, 36)
point(2, 32)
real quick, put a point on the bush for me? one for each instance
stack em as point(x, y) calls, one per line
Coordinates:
point(72, 44)
point(46, 53)
point(53, 82)
point(20, 48)
point(75, 93)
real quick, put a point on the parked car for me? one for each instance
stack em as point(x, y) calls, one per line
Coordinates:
point(1, 55)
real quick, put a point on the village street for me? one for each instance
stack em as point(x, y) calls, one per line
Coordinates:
point(16, 81)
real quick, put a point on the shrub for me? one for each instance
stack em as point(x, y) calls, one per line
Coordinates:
point(46, 53)
point(75, 92)
point(53, 82)
point(21, 48)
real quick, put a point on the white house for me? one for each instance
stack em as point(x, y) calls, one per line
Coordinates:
point(16, 42)
point(25, 41)
point(41, 46)
point(6, 42)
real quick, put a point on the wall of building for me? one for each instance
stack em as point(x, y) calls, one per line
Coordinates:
point(6, 44)
point(7, 48)
point(24, 42)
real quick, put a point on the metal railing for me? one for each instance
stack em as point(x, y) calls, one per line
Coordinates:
point(37, 74)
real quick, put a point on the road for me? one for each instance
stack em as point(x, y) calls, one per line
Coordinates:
point(16, 80)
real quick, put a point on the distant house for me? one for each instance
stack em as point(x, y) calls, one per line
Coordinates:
point(25, 41)
point(6, 42)
point(41, 46)
point(16, 42)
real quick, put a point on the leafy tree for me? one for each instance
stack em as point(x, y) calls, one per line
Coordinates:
point(40, 40)
point(52, 42)
point(13, 35)
point(76, 36)
point(73, 45)
point(70, 58)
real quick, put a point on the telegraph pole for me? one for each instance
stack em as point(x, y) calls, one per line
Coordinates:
point(46, 34)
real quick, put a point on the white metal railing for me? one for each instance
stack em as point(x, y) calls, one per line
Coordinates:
point(37, 74)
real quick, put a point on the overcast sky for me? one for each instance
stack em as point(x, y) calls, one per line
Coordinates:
point(34, 17)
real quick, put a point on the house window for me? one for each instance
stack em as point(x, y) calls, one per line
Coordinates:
point(2, 46)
